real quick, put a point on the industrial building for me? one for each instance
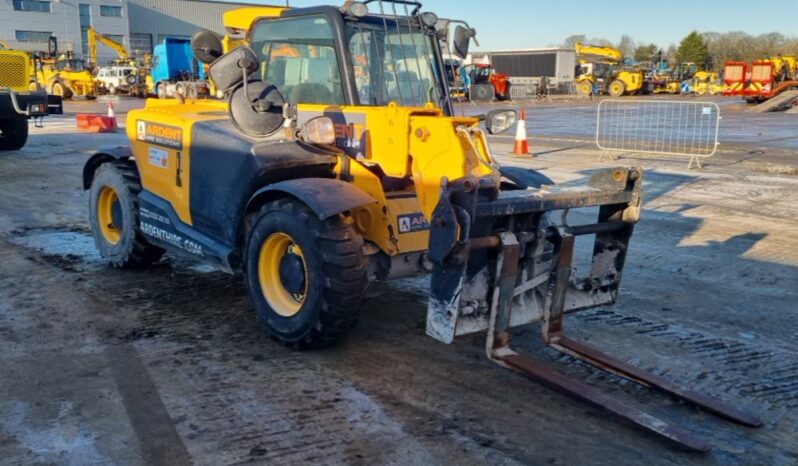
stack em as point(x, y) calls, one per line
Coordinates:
point(526, 67)
point(137, 24)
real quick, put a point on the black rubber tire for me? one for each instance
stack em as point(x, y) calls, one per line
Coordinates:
point(133, 250)
point(506, 95)
point(58, 88)
point(622, 88)
point(336, 269)
point(13, 133)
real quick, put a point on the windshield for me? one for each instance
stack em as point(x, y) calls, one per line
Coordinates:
point(393, 62)
point(70, 65)
point(297, 55)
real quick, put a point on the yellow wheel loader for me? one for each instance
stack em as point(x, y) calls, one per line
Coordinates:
point(313, 182)
point(64, 75)
point(19, 103)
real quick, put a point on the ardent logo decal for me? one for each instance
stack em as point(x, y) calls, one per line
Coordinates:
point(158, 134)
point(410, 223)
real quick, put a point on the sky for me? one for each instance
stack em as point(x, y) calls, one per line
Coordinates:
point(515, 24)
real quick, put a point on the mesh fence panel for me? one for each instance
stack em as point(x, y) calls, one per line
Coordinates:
point(658, 127)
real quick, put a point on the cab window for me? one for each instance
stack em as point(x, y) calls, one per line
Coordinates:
point(298, 56)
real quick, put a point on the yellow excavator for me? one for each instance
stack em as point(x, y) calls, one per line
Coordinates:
point(313, 184)
point(603, 73)
point(93, 37)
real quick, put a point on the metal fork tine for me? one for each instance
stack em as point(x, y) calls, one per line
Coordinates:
point(644, 377)
point(592, 396)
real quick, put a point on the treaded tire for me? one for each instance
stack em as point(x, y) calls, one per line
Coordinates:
point(13, 133)
point(335, 267)
point(132, 250)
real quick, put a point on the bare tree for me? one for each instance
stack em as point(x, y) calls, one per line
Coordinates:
point(626, 46)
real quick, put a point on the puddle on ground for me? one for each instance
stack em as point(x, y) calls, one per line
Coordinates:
point(72, 246)
point(67, 248)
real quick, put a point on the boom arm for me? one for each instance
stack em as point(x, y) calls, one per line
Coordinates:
point(593, 53)
point(94, 36)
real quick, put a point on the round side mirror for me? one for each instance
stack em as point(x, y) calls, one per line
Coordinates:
point(499, 121)
point(207, 46)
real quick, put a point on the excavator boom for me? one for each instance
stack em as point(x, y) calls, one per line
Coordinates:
point(94, 37)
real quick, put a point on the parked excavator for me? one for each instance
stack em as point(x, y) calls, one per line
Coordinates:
point(602, 72)
point(313, 184)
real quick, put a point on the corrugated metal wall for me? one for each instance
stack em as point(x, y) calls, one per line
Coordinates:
point(180, 18)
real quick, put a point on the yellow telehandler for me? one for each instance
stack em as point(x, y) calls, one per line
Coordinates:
point(603, 73)
point(314, 183)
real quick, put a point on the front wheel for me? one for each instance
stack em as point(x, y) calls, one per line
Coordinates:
point(584, 88)
point(617, 88)
point(160, 91)
point(306, 277)
point(58, 88)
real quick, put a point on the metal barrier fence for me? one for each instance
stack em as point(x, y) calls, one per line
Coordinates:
point(663, 127)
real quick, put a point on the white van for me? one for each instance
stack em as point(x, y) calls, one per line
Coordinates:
point(114, 79)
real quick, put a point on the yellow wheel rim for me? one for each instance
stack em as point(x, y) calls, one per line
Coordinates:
point(110, 231)
point(272, 252)
point(584, 88)
point(616, 89)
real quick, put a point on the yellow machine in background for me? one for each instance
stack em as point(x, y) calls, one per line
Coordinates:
point(19, 103)
point(64, 75)
point(119, 49)
point(785, 67)
point(602, 69)
point(706, 83)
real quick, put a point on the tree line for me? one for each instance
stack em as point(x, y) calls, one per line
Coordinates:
point(708, 49)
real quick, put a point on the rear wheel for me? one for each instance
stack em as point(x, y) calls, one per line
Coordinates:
point(306, 277)
point(114, 217)
point(13, 133)
point(617, 88)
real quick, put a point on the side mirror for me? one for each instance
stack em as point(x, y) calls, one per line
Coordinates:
point(207, 46)
point(462, 40)
point(499, 121)
point(233, 67)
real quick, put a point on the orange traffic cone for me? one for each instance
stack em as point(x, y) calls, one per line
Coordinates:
point(521, 146)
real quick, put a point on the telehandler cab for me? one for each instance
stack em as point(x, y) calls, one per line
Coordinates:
point(337, 160)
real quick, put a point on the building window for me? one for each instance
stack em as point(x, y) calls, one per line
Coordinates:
point(84, 11)
point(32, 5)
point(33, 36)
point(141, 42)
point(106, 10)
